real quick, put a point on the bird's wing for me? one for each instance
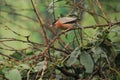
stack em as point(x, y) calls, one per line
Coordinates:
point(67, 19)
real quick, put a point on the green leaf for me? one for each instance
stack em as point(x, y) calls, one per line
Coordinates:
point(87, 61)
point(98, 52)
point(73, 56)
point(13, 74)
point(39, 66)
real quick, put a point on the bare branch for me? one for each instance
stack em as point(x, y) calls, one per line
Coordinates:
point(40, 22)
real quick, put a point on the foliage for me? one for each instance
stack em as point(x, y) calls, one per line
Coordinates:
point(32, 49)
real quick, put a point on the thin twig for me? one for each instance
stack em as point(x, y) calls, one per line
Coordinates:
point(54, 10)
point(13, 13)
point(100, 7)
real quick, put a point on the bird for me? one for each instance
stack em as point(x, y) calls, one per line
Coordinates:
point(65, 23)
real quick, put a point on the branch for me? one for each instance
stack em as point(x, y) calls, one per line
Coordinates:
point(102, 25)
point(63, 32)
point(67, 73)
point(40, 22)
point(7, 56)
point(63, 51)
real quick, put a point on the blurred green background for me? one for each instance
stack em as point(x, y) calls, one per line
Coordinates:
point(19, 16)
point(21, 40)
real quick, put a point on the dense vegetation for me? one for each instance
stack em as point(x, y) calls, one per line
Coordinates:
point(31, 48)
